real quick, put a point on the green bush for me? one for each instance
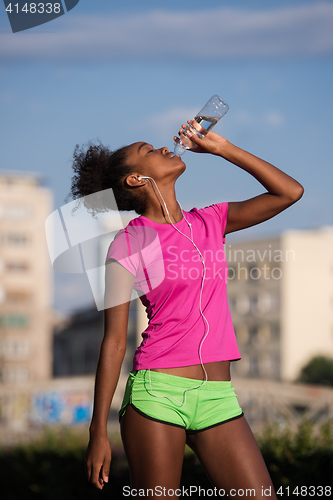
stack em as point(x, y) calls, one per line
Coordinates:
point(300, 458)
point(52, 467)
point(318, 371)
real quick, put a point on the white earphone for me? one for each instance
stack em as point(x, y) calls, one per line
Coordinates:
point(203, 279)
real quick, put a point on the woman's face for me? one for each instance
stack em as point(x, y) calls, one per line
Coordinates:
point(156, 163)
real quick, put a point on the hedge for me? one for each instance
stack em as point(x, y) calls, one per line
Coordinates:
point(51, 468)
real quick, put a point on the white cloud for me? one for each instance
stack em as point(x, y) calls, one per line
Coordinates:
point(242, 117)
point(167, 124)
point(248, 120)
point(297, 31)
point(274, 119)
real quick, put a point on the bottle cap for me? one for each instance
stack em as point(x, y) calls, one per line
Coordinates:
point(178, 150)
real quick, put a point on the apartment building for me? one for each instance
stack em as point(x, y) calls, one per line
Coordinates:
point(25, 279)
point(280, 294)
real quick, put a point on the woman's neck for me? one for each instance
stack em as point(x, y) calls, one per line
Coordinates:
point(161, 216)
point(156, 210)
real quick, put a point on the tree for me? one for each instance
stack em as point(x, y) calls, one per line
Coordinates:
point(319, 370)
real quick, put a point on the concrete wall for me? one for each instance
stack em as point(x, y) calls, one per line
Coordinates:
point(62, 401)
point(307, 299)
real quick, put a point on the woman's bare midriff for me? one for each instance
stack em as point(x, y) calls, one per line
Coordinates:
point(219, 370)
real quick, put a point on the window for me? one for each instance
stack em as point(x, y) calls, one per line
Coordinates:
point(243, 304)
point(232, 302)
point(264, 334)
point(253, 334)
point(259, 334)
point(275, 300)
point(17, 266)
point(231, 273)
point(275, 331)
point(254, 301)
point(254, 366)
point(14, 348)
point(276, 364)
point(242, 334)
point(14, 212)
point(14, 320)
point(269, 365)
point(243, 367)
point(264, 302)
point(18, 295)
point(15, 374)
point(15, 239)
point(254, 273)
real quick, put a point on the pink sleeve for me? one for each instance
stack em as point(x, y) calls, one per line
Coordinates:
point(221, 211)
point(123, 250)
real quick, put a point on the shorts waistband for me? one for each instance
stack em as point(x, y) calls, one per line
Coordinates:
point(185, 383)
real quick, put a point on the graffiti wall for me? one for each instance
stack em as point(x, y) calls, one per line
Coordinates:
point(46, 405)
point(66, 407)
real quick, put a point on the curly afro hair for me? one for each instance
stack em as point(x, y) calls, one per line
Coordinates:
point(97, 169)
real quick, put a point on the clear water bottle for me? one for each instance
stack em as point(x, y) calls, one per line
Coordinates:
point(201, 124)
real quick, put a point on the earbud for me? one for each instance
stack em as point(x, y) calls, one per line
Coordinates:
point(141, 178)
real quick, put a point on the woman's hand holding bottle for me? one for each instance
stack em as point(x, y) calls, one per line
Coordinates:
point(211, 143)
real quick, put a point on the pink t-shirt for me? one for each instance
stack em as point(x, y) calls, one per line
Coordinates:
point(168, 271)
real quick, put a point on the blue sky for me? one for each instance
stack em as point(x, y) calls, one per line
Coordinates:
point(129, 71)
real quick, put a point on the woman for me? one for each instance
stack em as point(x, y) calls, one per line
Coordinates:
point(180, 390)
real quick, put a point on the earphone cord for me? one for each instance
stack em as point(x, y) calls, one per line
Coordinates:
point(202, 283)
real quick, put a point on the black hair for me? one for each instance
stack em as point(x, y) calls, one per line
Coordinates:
point(97, 169)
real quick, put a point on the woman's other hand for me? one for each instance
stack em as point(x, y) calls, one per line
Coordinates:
point(97, 460)
point(211, 143)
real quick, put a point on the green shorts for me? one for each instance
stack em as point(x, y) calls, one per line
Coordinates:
point(212, 404)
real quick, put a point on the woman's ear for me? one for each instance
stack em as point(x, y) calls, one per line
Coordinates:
point(132, 180)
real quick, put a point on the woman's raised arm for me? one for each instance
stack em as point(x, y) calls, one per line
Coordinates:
point(282, 190)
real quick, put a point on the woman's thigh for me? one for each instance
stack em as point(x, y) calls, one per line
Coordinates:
point(232, 460)
point(154, 451)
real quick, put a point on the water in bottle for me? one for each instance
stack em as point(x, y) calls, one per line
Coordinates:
point(201, 124)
